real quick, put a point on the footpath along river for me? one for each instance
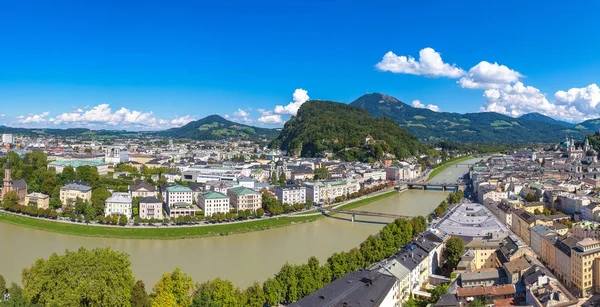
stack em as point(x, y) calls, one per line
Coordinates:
point(241, 258)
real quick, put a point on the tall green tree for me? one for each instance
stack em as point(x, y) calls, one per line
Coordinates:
point(455, 247)
point(10, 200)
point(217, 292)
point(2, 286)
point(99, 197)
point(253, 296)
point(274, 180)
point(282, 179)
point(273, 291)
point(173, 289)
point(97, 277)
point(68, 174)
point(289, 282)
point(139, 297)
point(88, 174)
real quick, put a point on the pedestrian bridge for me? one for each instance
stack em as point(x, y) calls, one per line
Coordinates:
point(365, 213)
point(425, 185)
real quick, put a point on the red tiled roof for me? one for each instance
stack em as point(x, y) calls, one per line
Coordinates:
point(480, 290)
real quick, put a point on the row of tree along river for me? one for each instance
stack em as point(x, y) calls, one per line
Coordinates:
point(241, 258)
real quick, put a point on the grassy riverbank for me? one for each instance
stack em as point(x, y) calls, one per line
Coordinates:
point(173, 232)
point(166, 233)
point(446, 165)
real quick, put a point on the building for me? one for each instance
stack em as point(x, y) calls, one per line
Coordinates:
point(59, 166)
point(328, 190)
point(291, 194)
point(213, 202)
point(151, 208)
point(172, 176)
point(484, 277)
point(562, 256)
point(118, 204)
point(242, 198)
point(39, 200)
point(537, 232)
point(402, 275)
point(142, 189)
point(18, 186)
point(484, 252)
point(7, 138)
point(115, 155)
point(470, 221)
point(585, 266)
point(402, 172)
point(359, 288)
point(521, 221)
point(178, 194)
point(70, 192)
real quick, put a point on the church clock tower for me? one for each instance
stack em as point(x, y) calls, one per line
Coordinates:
point(7, 180)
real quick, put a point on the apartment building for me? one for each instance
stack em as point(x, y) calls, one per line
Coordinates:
point(242, 198)
point(291, 194)
point(39, 200)
point(142, 189)
point(73, 190)
point(119, 204)
point(151, 208)
point(585, 266)
point(178, 194)
point(213, 202)
point(521, 222)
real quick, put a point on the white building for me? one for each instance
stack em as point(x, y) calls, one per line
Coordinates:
point(115, 155)
point(322, 191)
point(213, 202)
point(403, 172)
point(7, 138)
point(151, 208)
point(118, 204)
point(291, 194)
point(178, 194)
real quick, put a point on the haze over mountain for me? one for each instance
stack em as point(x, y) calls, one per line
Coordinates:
point(482, 127)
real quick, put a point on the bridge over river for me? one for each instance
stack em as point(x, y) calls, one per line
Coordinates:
point(440, 185)
point(365, 213)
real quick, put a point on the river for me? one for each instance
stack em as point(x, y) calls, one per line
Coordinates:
point(241, 258)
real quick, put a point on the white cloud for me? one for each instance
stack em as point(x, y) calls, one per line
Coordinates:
point(242, 116)
point(34, 118)
point(267, 117)
point(300, 96)
point(102, 115)
point(518, 99)
point(418, 104)
point(585, 99)
point(486, 75)
point(226, 116)
point(241, 113)
point(430, 64)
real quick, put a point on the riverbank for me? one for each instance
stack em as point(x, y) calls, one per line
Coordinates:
point(174, 232)
point(446, 165)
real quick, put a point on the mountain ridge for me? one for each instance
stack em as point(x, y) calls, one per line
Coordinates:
point(481, 127)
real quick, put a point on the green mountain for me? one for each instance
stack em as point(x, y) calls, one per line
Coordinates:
point(215, 127)
point(483, 127)
point(590, 124)
point(546, 119)
point(322, 126)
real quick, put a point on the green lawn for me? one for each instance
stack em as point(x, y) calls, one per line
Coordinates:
point(166, 233)
point(446, 165)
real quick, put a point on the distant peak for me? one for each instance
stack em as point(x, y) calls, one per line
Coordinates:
point(375, 98)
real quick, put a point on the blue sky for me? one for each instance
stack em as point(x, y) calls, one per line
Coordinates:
point(151, 65)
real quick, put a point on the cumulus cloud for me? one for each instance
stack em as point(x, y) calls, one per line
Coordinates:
point(242, 116)
point(430, 64)
point(267, 117)
point(300, 96)
point(585, 99)
point(518, 99)
point(486, 75)
point(103, 115)
point(418, 104)
point(34, 118)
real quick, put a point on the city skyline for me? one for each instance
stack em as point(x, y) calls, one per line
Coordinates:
point(153, 66)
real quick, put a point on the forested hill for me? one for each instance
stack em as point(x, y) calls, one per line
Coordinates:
point(215, 127)
point(483, 127)
point(322, 126)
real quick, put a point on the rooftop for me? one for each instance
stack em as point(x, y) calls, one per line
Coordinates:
point(178, 188)
point(213, 195)
point(242, 191)
point(76, 163)
point(119, 198)
point(470, 221)
point(77, 185)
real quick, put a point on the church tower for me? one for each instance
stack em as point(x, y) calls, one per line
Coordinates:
point(7, 180)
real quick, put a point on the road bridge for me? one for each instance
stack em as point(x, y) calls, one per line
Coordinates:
point(424, 185)
point(365, 213)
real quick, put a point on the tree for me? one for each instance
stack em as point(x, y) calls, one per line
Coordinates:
point(16, 298)
point(68, 174)
point(289, 282)
point(477, 303)
point(438, 291)
point(531, 198)
point(2, 287)
point(173, 290)
point(282, 179)
point(97, 277)
point(537, 212)
point(546, 212)
point(455, 247)
point(99, 197)
point(122, 220)
point(88, 174)
point(322, 173)
point(274, 180)
point(217, 292)
point(260, 212)
point(254, 296)
point(139, 297)
point(10, 200)
point(272, 290)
